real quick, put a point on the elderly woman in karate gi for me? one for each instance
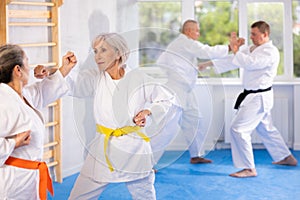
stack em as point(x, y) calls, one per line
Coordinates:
point(22, 126)
point(259, 62)
point(124, 100)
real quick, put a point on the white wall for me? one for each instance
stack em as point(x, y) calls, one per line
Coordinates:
point(212, 97)
point(296, 116)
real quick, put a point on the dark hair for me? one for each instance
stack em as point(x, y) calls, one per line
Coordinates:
point(10, 56)
point(262, 26)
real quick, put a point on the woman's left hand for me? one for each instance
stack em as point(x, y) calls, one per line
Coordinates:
point(140, 118)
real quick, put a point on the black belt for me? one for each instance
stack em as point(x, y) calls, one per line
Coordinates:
point(243, 95)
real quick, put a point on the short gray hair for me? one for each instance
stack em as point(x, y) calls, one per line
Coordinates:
point(117, 42)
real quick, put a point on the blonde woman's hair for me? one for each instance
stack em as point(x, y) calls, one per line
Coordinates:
point(117, 42)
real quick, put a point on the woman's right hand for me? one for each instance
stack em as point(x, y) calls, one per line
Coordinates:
point(22, 139)
point(140, 118)
point(68, 62)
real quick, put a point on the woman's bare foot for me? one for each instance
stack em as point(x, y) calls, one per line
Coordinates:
point(244, 173)
point(290, 160)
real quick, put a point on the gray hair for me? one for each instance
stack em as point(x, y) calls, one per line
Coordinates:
point(10, 56)
point(117, 42)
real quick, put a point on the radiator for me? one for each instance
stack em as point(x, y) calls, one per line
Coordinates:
point(279, 114)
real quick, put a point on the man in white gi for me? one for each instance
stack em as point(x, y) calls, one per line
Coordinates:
point(180, 62)
point(259, 62)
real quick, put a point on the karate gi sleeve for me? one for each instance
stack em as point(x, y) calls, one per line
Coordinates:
point(165, 114)
point(82, 83)
point(203, 51)
point(224, 64)
point(42, 93)
point(259, 59)
point(6, 148)
point(161, 100)
point(10, 118)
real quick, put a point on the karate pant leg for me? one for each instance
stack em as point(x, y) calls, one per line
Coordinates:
point(191, 118)
point(86, 188)
point(244, 122)
point(191, 126)
point(142, 189)
point(272, 139)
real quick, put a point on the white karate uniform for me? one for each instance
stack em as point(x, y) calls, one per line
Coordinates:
point(260, 68)
point(116, 102)
point(17, 117)
point(180, 62)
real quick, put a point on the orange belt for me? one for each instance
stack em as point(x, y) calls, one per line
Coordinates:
point(45, 180)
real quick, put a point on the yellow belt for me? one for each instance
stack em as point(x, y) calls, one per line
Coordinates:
point(117, 133)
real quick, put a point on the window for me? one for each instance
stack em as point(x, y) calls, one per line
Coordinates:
point(159, 24)
point(277, 13)
point(217, 20)
point(272, 13)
